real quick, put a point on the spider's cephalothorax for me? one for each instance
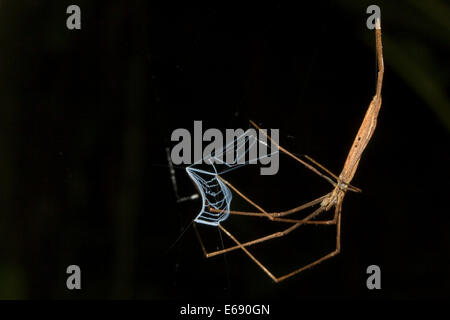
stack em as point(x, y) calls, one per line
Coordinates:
point(335, 196)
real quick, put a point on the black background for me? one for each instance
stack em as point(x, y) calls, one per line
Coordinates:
point(86, 116)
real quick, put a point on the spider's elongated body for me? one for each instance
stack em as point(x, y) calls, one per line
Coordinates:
point(334, 199)
point(364, 134)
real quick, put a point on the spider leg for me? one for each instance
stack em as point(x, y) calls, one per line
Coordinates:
point(271, 236)
point(307, 165)
point(263, 213)
point(276, 215)
point(308, 266)
point(248, 253)
point(335, 252)
point(320, 222)
point(350, 187)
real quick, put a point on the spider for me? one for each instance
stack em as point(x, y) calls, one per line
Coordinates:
point(332, 200)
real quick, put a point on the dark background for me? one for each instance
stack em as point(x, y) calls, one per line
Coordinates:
point(86, 116)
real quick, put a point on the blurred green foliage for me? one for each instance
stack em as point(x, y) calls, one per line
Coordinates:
point(416, 38)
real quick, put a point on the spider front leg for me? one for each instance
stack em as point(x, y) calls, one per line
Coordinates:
point(313, 165)
point(273, 216)
point(279, 234)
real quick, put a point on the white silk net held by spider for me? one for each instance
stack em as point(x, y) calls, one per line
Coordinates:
point(246, 149)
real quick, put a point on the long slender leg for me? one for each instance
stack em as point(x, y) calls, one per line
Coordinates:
point(279, 279)
point(272, 215)
point(263, 212)
point(200, 239)
point(307, 165)
point(326, 257)
point(246, 244)
point(350, 187)
point(278, 234)
point(320, 222)
point(321, 167)
point(257, 214)
point(249, 254)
